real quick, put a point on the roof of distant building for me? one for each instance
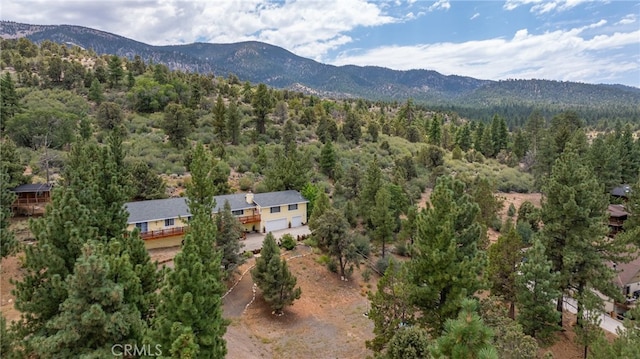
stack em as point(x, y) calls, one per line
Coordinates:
point(33, 188)
point(621, 191)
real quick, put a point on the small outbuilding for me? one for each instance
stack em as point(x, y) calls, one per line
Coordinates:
point(31, 198)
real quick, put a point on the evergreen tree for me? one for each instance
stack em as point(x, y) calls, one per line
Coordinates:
point(146, 183)
point(233, 123)
point(11, 165)
point(331, 233)
point(178, 123)
point(629, 161)
point(96, 314)
point(465, 337)
point(371, 184)
point(116, 72)
point(463, 137)
point(504, 258)
point(8, 242)
point(499, 134)
point(509, 339)
point(228, 240)
point(321, 205)
point(435, 131)
point(109, 115)
point(391, 306)
point(95, 92)
point(60, 235)
point(287, 171)
point(446, 262)
point(328, 159)
point(535, 129)
point(382, 218)
point(219, 118)
point(373, 128)
point(191, 299)
point(352, 129)
point(574, 231)
point(262, 104)
point(276, 282)
point(289, 137)
point(10, 104)
point(537, 288)
point(553, 144)
point(489, 205)
point(409, 343)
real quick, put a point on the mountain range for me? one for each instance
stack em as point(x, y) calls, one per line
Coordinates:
point(258, 62)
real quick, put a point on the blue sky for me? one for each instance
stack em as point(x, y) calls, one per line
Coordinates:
point(565, 40)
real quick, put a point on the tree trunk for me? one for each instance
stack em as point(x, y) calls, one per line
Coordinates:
point(559, 309)
point(512, 310)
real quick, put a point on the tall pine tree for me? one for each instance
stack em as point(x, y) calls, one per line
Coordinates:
point(446, 264)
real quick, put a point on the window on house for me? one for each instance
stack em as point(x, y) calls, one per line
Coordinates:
point(169, 222)
point(275, 209)
point(293, 207)
point(239, 212)
point(142, 226)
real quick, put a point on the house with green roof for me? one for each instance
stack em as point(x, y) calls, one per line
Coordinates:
point(162, 222)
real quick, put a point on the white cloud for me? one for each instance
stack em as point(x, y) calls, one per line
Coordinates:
point(440, 5)
point(541, 7)
point(475, 16)
point(628, 19)
point(561, 55)
point(308, 28)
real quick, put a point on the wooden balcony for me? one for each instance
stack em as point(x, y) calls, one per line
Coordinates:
point(163, 233)
point(28, 201)
point(249, 219)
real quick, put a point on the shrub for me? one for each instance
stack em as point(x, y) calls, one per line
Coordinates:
point(248, 254)
point(366, 274)
point(525, 231)
point(496, 224)
point(511, 211)
point(245, 183)
point(332, 266)
point(288, 242)
point(401, 249)
point(310, 242)
point(456, 154)
point(383, 263)
point(362, 244)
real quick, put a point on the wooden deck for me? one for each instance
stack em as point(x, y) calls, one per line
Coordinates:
point(163, 233)
point(249, 219)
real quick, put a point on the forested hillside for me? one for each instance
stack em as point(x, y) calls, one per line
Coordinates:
point(276, 67)
point(104, 128)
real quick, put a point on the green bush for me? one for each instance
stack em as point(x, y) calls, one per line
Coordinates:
point(288, 242)
point(496, 224)
point(366, 274)
point(401, 249)
point(511, 211)
point(332, 266)
point(383, 263)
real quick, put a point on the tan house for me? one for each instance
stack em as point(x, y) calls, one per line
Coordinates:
point(162, 222)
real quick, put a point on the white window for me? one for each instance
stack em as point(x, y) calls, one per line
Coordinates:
point(239, 212)
point(275, 209)
point(293, 207)
point(142, 226)
point(169, 222)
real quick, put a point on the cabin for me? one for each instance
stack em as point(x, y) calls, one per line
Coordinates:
point(617, 217)
point(31, 199)
point(162, 222)
point(628, 280)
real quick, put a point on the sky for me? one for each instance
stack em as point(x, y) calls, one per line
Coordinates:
point(564, 40)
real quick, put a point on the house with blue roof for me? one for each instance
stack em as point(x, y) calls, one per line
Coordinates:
point(162, 222)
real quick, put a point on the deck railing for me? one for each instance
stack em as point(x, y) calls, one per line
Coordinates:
point(163, 233)
point(29, 201)
point(249, 219)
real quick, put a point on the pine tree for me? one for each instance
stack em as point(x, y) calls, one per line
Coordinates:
point(219, 118)
point(328, 159)
point(10, 104)
point(320, 206)
point(465, 337)
point(60, 235)
point(391, 306)
point(116, 72)
point(228, 240)
point(352, 128)
point(537, 288)
point(262, 104)
point(626, 343)
point(382, 218)
point(446, 262)
point(191, 299)
point(95, 92)
point(178, 123)
point(499, 134)
point(8, 242)
point(96, 314)
point(273, 277)
point(574, 231)
point(409, 343)
point(504, 258)
point(371, 184)
point(233, 123)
